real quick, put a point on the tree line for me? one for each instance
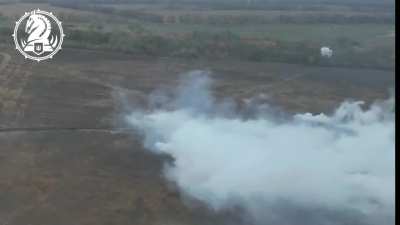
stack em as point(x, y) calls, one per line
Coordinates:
point(228, 45)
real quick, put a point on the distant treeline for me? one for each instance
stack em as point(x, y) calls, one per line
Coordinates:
point(318, 5)
point(225, 45)
point(192, 18)
point(257, 19)
point(136, 39)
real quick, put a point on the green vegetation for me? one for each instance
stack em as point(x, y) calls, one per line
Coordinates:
point(359, 37)
point(5, 30)
point(323, 33)
point(354, 44)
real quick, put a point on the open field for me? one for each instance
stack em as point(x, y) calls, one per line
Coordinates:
point(76, 170)
point(67, 155)
point(290, 32)
point(149, 30)
point(278, 31)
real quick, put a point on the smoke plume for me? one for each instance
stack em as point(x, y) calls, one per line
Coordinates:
point(302, 169)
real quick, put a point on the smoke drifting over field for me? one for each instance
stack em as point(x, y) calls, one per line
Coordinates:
point(305, 169)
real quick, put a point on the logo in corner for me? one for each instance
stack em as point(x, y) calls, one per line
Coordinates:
point(38, 35)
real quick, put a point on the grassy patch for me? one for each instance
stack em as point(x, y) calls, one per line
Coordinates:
point(321, 33)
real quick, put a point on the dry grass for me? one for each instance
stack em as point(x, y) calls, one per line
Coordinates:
point(8, 99)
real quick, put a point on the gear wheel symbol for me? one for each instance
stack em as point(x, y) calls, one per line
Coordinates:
point(35, 49)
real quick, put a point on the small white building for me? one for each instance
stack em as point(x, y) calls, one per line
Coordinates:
point(326, 52)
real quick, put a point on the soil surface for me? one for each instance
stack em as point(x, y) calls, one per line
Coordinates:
point(66, 157)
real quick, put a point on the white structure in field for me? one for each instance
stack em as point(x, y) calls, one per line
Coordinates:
point(326, 52)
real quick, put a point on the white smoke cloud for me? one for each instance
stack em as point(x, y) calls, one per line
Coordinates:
point(305, 169)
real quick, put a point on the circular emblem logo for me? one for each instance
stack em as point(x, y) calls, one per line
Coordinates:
point(38, 35)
